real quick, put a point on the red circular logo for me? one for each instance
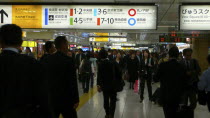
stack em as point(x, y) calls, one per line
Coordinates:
point(132, 14)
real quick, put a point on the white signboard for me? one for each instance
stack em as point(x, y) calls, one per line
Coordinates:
point(5, 14)
point(118, 39)
point(195, 17)
point(99, 17)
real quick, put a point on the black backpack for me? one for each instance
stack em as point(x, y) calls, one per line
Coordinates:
point(86, 66)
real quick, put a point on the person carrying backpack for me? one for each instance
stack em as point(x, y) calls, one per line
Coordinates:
point(86, 69)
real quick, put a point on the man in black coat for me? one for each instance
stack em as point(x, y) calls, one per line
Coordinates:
point(107, 80)
point(79, 57)
point(60, 73)
point(49, 48)
point(21, 85)
point(172, 76)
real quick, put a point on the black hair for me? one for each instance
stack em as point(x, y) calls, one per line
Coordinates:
point(48, 45)
point(59, 41)
point(187, 50)
point(28, 49)
point(103, 54)
point(11, 35)
point(80, 50)
point(87, 56)
point(174, 52)
point(208, 58)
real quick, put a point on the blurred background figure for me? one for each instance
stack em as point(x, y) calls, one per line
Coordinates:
point(29, 52)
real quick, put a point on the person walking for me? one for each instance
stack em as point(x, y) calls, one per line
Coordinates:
point(86, 69)
point(204, 83)
point(193, 71)
point(146, 71)
point(133, 67)
point(60, 72)
point(49, 48)
point(172, 76)
point(23, 90)
point(107, 80)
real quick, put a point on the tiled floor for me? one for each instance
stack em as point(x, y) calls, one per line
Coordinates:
point(129, 107)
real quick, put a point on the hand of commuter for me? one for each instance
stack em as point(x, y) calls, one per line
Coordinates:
point(76, 105)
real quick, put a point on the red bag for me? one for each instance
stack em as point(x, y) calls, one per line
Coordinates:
point(136, 86)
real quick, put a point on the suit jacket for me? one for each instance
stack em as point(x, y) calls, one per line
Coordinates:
point(78, 61)
point(108, 75)
point(145, 68)
point(21, 82)
point(172, 76)
point(195, 69)
point(60, 73)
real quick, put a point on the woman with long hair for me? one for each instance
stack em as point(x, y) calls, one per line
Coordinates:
point(146, 72)
point(132, 66)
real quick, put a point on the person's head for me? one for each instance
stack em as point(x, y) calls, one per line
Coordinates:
point(110, 52)
point(114, 52)
point(103, 54)
point(10, 36)
point(28, 50)
point(138, 53)
point(80, 51)
point(133, 55)
point(118, 55)
point(88, 56)
point(61, 44)
point(208, 59)
point(146, 54)
point(50, 47)
point(69, 53)
point(187, 53)
point(174, 52)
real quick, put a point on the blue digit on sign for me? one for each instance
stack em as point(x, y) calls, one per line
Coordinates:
point(134, 21)
point(95, 12)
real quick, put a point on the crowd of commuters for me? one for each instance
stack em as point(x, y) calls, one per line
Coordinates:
point(49, 85)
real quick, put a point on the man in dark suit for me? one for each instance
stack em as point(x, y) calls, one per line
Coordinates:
point(79, 57)
point(193, 72)
point(172, 83)
point(60, 73)
point(49, 49)
point(107, 80)
point(21, 85)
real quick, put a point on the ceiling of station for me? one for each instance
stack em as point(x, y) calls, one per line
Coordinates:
point(168, 16)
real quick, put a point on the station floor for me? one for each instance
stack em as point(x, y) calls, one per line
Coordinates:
point(128, 106)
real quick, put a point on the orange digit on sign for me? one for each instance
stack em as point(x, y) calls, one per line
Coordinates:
point(27, 16)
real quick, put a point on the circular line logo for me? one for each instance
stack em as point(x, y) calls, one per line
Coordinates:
point(134, 21)
point(130, 12)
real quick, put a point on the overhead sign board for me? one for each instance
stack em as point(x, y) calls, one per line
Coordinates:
point(80, 16)
point(195, 17)
point(107, 39)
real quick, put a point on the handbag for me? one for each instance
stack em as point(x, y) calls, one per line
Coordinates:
point(202, 97)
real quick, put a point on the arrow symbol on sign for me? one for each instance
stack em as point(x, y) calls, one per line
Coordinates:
point(2, 12)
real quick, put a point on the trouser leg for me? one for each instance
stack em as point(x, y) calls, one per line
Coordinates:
point(113, 99)
point(87, 82)
point(193, 99)
point(149, 86)
point(142, 85)
point(83, 82)
point(91, 79)
point(106, 102)
point(170, 111)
